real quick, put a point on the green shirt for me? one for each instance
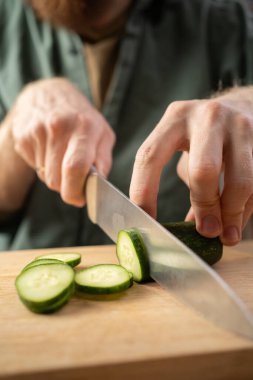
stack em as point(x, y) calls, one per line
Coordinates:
point(171, 50)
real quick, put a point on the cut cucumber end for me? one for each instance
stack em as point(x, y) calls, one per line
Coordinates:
point(208, 249)
point(132, 254)
point(70, 258)
point(103, 279)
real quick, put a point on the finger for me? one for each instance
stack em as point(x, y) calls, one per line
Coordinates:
point(248, 211)
point(238, 189)
point(77, 161)
point(190, 215)
point(150, 159)
point(205, 163)
point(182, 168)
point(80, 155)
point(38, 139)
point(57, 139)
point(38, 136)
point(103, 161)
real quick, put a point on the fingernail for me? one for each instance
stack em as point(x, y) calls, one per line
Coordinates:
point(210, 225)
point(231, 234)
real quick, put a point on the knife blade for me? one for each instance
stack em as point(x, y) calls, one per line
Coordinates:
point(173, 265)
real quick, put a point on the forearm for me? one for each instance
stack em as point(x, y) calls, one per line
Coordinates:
point(16, 177)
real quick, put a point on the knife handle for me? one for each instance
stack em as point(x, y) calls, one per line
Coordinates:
point(91, 188)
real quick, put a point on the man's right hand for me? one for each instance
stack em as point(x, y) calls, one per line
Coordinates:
point(60, 134)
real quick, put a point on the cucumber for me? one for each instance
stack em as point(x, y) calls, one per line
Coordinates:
point(103, 279)
point(45, 288)
point(132, 254)
point(208, 249)
point(70, 258)
point(34, 263)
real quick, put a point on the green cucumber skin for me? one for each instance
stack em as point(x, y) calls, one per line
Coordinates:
point(141, 252)
point(72, 263)
point(102, 291)
point(208, 249)
point(131, 278)
point(47, 306)
point(36, 262)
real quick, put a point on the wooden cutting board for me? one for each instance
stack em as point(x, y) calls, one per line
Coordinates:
point(143, 333)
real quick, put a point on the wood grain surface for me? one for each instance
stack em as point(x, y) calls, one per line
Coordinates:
point(142, 333)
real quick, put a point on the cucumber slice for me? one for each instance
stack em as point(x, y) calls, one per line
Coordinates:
point(70, 258)
point(132, 254)
point(36, 262)
point(45, 288)
point(54, 307)
point(103, 279)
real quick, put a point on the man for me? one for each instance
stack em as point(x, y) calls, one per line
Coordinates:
point(91, 95)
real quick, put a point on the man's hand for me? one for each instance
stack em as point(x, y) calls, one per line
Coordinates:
point(60, 135)
point(217, 137)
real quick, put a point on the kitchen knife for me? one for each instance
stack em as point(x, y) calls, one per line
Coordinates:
point(172, 264)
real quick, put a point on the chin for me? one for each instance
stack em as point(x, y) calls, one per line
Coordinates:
point(70, 14)
point(85, 17)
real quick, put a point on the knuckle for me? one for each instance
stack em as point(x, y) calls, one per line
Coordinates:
point(214, 107)
point(213, 110)
point(84, 119)
point(86, 126)
point(205, 204)
point(55, 124)
point(74, 169)
point(244, 126)
point(177, 108)
point(204, 172)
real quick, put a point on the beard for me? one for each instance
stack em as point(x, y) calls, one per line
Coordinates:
point(89, 18)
